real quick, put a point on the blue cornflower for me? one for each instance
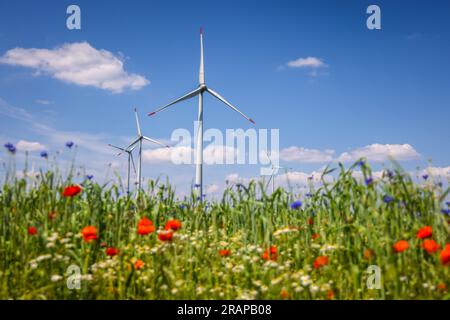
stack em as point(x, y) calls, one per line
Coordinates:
point(182, 206)
point(309, 195)
point(388, 199)
point(296, 204)
point(196, 185)
point(69, 144)
point(369, 181)
point(448, 203)
point(425, 177)
point(89, 176)
point(44, 154)
point(446, 212)
point(389, 173)
point(361, 163)
point(11, 148)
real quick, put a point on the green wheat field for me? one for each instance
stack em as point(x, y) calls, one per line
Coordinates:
point(92, 241)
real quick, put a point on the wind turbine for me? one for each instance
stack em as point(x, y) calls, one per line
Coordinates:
point(202, 88)
point(130, 159)
point(274, 171)
point(137, 142)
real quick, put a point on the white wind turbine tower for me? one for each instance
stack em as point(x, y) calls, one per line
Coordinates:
point(130, 160)
point(137, 142)
point(202, 88)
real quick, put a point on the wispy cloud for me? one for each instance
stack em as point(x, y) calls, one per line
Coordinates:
point(77, 63)
point(308, 62)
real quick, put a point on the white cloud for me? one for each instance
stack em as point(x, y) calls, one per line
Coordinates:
point(303, 155)
point(212, 154)
point(308, 62)
point(77, 63)
point(213, 188)
point(295, 178)
point(381, 152)
point(442, 172)
point(162, 155)
point(24, 145)
point(377, 175)
point(234, 178)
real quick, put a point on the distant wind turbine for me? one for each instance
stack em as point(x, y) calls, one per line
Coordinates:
point(130, 160)
point(138, 141)
point(274, 171)
point(199, 92)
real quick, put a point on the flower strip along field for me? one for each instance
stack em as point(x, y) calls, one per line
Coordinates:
point(248, 245)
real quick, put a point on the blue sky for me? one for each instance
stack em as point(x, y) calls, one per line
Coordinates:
point(372, 88)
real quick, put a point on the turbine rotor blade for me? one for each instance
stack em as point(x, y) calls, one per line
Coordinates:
point(201, 74)
point(268, 157)
point(218, 96)
point(134, 143)
point(268, 182)
point(154, 141)
point(134, 147)
point(137, 122)
point(119, 148)
point(132, 162)
point(186, 96)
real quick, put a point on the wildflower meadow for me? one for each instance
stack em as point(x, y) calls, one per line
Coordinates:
point(70, 237)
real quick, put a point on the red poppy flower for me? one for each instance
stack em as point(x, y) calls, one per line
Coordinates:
point(138, 264)
point(71, 191)
point(401, 246)
point(310, 221)
point(424, 232)
point(111, 251)
point(32, 231)
point(430, 246)
point(270, 254)
point(369, 254)
point(89, 233)
point(320, 262)
point(284, 294)
point(330, 295)
point(145, 226)
point(224, 252)
point(445, 255)
point(165, 235)
point(441, 286)
point(173, 224)
point(315, 236)
point(52, 215)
